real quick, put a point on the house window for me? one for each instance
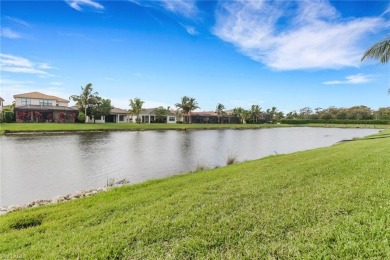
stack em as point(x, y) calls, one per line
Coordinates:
point(171, 119)
point(98, 118)
point(121, 118)
point(26, 101)
point(45, 102)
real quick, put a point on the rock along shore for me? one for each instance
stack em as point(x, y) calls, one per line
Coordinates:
point(58, 199)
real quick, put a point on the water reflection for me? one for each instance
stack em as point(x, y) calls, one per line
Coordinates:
point(46, 166)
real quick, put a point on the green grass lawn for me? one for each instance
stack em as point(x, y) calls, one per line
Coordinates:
point(50, 127)
point(327, 203)
point(47, 127)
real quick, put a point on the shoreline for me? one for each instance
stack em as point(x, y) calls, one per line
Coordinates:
point(179, 127)
point(63, 198)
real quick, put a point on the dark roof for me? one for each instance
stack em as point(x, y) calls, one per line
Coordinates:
point(46, 108)
point(1, 99)
point(39, 95)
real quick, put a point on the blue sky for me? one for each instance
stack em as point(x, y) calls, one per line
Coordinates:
point(287, 54)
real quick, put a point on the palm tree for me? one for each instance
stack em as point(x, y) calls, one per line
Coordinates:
point(381, 51)
point(271, 112)
point(220, 110)
point(192, 105)
point(187, 105)
point(255, 112)
point(242, 114)
point(135, 108)
point(86, 99)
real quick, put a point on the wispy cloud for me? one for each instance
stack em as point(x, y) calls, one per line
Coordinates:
point(9, 33)
point(15, 64)
point(76, 4)
point(18, 21)
point(352, 79)
point(312, 36)
point(191, 30)
point(185, 8)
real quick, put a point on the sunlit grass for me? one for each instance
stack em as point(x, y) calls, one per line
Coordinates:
point(328, 203)
point(50, 127)
point(57, 127)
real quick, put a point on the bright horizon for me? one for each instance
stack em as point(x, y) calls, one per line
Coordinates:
point(287, 54)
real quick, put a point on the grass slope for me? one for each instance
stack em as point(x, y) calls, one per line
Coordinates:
point(331, 203)
point(42, 127)
point(51, 127)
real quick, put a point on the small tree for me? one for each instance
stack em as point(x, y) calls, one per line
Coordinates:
point(161, 114)
point(87, 100)
point(220, 110)
point(103, 108)
point(135, 108)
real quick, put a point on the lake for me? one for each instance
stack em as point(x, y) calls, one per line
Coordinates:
point(48, 165)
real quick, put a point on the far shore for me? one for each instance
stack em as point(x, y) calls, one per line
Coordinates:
point(66, 128)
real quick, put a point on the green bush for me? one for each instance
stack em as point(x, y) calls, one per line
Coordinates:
point(81, 117)
point(9, 116)
point(334, 121)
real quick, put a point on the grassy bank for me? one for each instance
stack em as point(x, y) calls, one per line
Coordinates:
point(55, 127)
point(326, 203)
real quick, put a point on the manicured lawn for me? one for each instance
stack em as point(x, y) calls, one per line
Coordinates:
point(50, 127)
point(47, 127)
point(331, 203)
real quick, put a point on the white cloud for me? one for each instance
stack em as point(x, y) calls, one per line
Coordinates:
point(10, 34)
point(15, 64)
point(352, 79)
point(18, 21)
point(183, 7)
point(76, 4)
point(191, 30)
point(313, 36)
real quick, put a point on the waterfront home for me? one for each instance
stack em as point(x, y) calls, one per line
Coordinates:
point(210, 117)
point(148, 115)
point(39, 107)
point(118, 115)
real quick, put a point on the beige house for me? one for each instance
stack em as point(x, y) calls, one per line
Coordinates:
point(148, 115)
point(39, 107)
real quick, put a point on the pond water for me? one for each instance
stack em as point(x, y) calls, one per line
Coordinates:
point(45, 166)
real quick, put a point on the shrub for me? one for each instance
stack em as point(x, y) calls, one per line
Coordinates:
point(81, 117)
point(8, 116)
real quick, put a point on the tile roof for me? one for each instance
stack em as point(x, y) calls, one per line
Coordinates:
point(38, 95)
point(116, 110)
point(150, 111)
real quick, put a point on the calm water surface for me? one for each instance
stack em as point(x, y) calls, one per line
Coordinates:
point(45, 166)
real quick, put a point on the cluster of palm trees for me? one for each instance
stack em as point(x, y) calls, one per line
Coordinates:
point(186, 106)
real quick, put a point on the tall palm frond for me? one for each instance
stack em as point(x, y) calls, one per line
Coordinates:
point(379, 51)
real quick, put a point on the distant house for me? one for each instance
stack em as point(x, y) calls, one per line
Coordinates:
point(39, 107)
point(117, 115)
point(1, 104)
point(148, 115)
point(210, 117)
